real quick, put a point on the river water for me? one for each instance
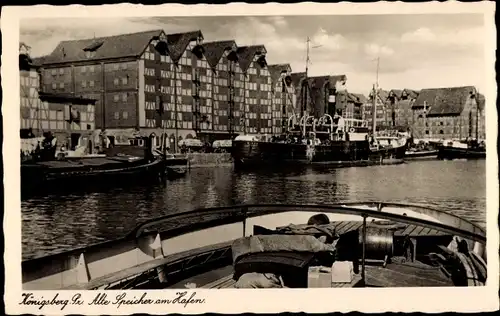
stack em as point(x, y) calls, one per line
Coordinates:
point(52, 224)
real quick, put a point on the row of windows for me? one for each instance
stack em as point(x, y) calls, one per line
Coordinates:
point(91, 83)
point(55, 71)
point(31, 102)
point(124, 115)
point(124, 97)
point(56, 125)
point(90, 68)
point(55, 85)
point(30, 82)
point(123, 80)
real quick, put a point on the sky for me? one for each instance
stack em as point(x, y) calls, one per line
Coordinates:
point(414, 51)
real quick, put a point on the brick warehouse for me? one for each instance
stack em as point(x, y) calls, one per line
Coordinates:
point(150, 81)
point(71, 119)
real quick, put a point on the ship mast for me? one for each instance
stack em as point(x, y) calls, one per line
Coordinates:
point(477, 115)
point(304, 87)
point(374, 102)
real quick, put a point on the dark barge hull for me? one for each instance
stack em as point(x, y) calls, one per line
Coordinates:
point(337, 154)
point(459, 153)
point(37, 177)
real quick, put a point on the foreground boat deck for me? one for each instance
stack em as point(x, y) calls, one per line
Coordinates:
point(395, 274)
point(408, 274)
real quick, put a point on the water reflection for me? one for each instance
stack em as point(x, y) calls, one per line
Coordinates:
point(57, 223)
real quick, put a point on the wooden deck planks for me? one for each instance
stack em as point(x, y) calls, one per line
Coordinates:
point(401, 275)
point(342, 227)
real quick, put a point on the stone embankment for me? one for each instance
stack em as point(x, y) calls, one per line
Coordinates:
point(197, 160)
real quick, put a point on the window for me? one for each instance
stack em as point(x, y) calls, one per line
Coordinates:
point(91, 68)
point(125, 114)
point(117, 115)
point(61, 71)
point(54, 72)
point(116, 66)
point(61, 85)
point(84, 84)
point(124, 97)
point(116, 98)
point(124, 80)
point(149, 88)
point(123, 66)
point(84, 69)
point(91, 83)
point(54, 85)
point(116, 81)
point(441, 131)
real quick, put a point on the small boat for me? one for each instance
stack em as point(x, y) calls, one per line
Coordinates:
point(462, 150)
point(356, 244)
point(421, 154)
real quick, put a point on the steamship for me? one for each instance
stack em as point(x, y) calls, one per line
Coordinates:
point(329, 139)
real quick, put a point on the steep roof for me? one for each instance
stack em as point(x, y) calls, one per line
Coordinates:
point(382, 94)
point(214, 51)
point(276, 70)
point(411, 93)
point(357, 98)
point(125, 45)
point(178, 42)
point(444, 101)
point(247, 53)
point(396, 93)
point(321, 81)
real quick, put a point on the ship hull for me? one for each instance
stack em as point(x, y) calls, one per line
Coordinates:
point(339, 154)
point(460, 153)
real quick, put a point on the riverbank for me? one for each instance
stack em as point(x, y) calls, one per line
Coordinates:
point(212, 160)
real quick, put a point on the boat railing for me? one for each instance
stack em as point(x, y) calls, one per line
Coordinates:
point(157, 242)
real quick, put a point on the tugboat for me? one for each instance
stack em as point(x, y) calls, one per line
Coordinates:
point(328, 140)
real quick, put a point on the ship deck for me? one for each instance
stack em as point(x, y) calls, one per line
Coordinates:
point(397, 273)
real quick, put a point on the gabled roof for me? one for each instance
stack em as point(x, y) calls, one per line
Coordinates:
point(246, 55)
point(214, 51)
point(125, 45)
point(444, 101)
point(357, 98)
point(413, 94)
point(396, 93)
point(178, 42)
point(276, 70)
point(382, 94)
point(320, 81)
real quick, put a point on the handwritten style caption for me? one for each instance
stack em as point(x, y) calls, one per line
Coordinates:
point(102, 299)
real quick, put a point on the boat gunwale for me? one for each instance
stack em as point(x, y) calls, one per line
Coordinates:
point(332, 208)
point(245, 212)
point(478, 234)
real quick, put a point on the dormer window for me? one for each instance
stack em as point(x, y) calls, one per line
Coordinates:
point(262, 61)
point(199, 40)
point(162, 48)
point(92, 48)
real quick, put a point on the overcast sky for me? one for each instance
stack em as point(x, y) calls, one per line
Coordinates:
point(416, 51)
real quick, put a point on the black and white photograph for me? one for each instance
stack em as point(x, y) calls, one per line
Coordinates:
point(265, 150)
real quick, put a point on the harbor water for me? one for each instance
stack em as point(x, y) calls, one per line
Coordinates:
point(58, 222)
